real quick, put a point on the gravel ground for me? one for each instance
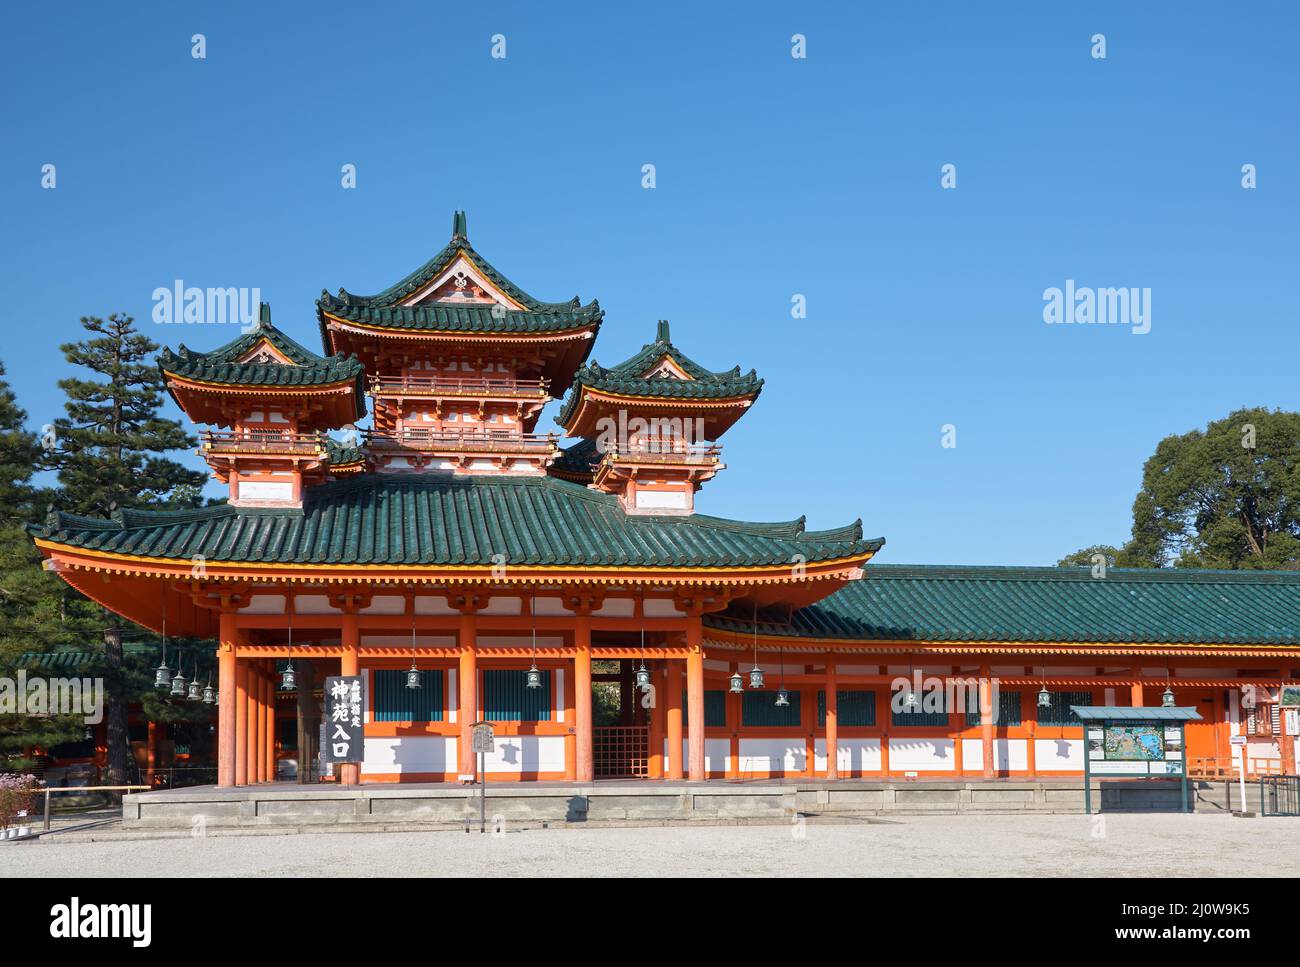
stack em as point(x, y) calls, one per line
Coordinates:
point(1135, 845)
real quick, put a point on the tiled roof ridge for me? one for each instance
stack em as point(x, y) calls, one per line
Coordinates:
point(992, 572)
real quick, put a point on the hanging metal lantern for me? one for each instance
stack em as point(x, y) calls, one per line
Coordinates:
point(413, 676)
point(737, 683)
point(1044, 698)
point(643, 677)
point(288, 678)
point(209, 693)
point(756, 677)
point(1167, 699)
point(178, 685)
point(782, 698)
point(162, 676)
point(195, 692)
point(534, 677)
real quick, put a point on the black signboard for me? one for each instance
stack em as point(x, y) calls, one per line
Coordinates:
point(344, 719)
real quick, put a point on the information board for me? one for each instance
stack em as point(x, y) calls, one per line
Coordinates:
point(344, 720)
point(1135, 749)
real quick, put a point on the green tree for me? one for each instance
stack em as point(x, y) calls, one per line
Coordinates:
point(1087, 557)
point(111, 454)
point(38, 611)
point(1227, 497)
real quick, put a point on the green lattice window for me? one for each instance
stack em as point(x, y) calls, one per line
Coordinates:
point(715, 709)
point(1058, 713)
point(392, 701)
point(1008, 708)
point(507, 697)
point(759, 709)
point(853, 708)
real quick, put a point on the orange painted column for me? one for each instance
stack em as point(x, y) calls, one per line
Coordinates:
point(468, 683)
point(571, 732)
point(271, 722)
point(255, 762)
point(673, 705)
point(655, 759)
point(586, 767)
point(832, 722)
point(1135, 690)
point(350, 664)
point(226, 689)
point(986, 720)
point(695, 698)
point(734, 713)
point(241, 723)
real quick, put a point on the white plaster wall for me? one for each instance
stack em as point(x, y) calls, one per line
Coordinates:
point(432, 753)
point(264, 604)
point(1064, 755)
point(851, 755)
point(526, 753)
point(1010, 754)
point(717, 752)
point(917, 755)
point(265, 490)
point(773, 755)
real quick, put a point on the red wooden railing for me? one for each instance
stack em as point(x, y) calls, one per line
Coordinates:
point(262, 441)
point(470, 386)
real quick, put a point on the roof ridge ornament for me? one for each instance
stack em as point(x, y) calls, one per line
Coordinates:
point(662, 333)
point(458, 227)
point(264, 315)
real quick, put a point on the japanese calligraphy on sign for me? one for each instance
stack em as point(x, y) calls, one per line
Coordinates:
point(344, 719)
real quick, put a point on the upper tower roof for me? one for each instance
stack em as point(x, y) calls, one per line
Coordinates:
point(261, 363)
point(458, 297)
point(663, 378)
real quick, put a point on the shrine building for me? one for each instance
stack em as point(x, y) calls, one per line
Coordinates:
point(470, 565)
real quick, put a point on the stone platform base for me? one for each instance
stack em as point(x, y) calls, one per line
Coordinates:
point(284, 805)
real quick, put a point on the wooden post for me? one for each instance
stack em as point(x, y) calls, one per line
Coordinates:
point(1135, 690)
point(986, 721)
point(256, 723)
point(226, 687)
point(467, 679)
point(673, 703)
point(241, 722)
point(272, 688)
point(571, 731)
point(832, 721)
point(655, 759)
point(586, 768)
point(695, 697)
point(306, 718)
point(734, 712)
point(350, 664)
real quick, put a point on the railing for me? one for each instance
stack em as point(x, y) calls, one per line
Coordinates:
point(263, 441)
point(620, 751)
point(1228, 766)
point(469, 386)
point(467, 441)
point(1279, 796)
point(664, 450)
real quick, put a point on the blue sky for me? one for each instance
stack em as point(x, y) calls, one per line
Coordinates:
point(775, 176)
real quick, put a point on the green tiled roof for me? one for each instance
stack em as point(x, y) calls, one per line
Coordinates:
point(340, 454)
point(1052, 604)
point(222, 365)
point(628, 377)
point(579, 460)
point(422, 520)
point(384, 310)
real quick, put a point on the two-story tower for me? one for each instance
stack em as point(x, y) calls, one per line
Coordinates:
point(461, 362)
point(272, 400)
point(649, 425)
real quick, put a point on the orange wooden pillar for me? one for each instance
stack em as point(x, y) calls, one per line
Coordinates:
point(734, 712)
point(695, 697)
point(350, 664)
point(269, 712)
point(986, 721)
point(1135, 690)
point(586, 767)
point(226, 689)
point(468, 684)
point(241, 722)
point(255, 680)
point(655, 759)
point(571, 730)
point(832, 721)
point(673, 706)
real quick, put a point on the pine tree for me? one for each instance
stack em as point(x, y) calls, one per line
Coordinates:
point(38, 611)
point(111, 454)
